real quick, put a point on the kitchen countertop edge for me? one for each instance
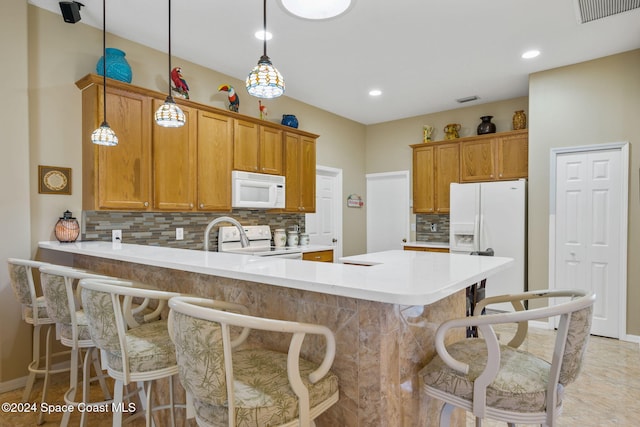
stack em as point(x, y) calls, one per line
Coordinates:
point(395, 277)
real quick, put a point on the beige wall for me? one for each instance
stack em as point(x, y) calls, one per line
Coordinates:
point(388, 143)
point(589, 103)
point(15, 336)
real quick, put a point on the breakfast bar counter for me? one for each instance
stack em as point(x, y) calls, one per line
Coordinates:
point(383, 311)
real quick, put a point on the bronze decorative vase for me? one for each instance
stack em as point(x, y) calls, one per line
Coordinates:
point(486, 126)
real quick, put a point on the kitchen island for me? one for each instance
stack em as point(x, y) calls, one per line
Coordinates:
point(383, 312)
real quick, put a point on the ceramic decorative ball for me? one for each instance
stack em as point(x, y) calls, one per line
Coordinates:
point(117, 66)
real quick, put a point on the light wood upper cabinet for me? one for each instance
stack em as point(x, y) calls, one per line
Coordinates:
point(117, 177)
point(186, 168)
point(257, 148)
point(447, 170)
point(271, 151)
point(174, 163)
point(423, 179)
point(300, 173)
point(500, 156)
point(435, 166)
point(215, 161)
point(246, 143)
point(513, 156)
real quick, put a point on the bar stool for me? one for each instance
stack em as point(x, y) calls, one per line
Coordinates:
point(135, 352)
point(72, 328)
point(34, 312)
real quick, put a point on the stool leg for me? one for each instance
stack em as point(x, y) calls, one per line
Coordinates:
point(118, 389)
point(86, 381)
point(173, 406)
point(47, 368)
point(100, 375)
point(35, 363)
point(70, 395)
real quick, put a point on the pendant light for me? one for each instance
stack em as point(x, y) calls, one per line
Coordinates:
point(104, 135)
point(169, 115)
point(265, 81)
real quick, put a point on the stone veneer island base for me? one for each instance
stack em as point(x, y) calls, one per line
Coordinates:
point(380, 346)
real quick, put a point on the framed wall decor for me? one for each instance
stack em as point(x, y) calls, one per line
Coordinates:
point(54, 180)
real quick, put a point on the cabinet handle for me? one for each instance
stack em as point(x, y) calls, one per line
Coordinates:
point(201, 205)
point(146, 204)
point(190, 205)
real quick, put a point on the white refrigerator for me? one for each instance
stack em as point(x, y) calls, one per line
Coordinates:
point(492, 215)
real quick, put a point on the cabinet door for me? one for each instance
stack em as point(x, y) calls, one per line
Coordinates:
point(447, 170)
point(477, 160)
point(124, 171)
point(246, 137)
point(215, 160)
point(174, 163)
point(307, 175)
point(513, 156)
point(423, 180)
point(292, 172)
point(271, 151)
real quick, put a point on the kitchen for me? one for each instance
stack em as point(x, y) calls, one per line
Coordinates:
point(355, 148)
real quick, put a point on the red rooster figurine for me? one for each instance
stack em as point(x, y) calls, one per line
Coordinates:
point(181, 85)
point(234, 100)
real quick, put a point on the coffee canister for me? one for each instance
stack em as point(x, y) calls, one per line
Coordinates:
point(279, 238)
point(304, 239)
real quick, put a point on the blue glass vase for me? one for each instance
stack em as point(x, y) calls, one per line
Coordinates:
point(117, 66)
point(290, 120)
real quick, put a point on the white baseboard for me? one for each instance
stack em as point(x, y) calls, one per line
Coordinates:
point(11, 385)
point(21, 382)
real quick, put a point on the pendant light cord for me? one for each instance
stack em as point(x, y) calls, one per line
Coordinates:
point(104, 62)
point(264, 26)
point(169, 74)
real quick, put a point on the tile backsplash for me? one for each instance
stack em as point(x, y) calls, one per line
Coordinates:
point(159, 228)
point(423, 228)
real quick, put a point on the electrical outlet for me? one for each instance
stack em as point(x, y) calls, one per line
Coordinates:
point(116, 236)
point(434, 227)
point(179, 233)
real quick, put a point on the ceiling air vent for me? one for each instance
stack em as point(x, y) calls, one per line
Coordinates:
point(591, 10)
point(467, 99)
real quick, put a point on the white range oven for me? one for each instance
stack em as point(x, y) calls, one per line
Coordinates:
point(260, 243)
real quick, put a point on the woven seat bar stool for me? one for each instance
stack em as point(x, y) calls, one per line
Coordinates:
point(234, 384)
point(133, 351)
point(64, 308)
point(499, 380)
point(34, 312)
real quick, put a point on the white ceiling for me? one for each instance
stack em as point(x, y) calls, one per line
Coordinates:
point(423, 54)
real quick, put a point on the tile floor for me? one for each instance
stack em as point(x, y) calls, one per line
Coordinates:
point(607, 392)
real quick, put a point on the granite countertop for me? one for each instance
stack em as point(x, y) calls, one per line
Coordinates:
point(396, 277)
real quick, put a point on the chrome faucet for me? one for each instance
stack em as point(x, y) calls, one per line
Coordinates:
point(244, 240)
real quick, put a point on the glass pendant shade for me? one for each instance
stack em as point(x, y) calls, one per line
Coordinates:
point(169, 115)
point(265, 81)
point(104, 135)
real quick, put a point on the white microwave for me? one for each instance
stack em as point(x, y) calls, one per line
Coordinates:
point(257, 190)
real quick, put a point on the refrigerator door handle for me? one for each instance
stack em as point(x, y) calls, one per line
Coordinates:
point(477, 227)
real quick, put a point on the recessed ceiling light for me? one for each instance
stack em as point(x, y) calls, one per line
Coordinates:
point(261, 34)
point(530, 54)
point(317, 9)
point(375, 92)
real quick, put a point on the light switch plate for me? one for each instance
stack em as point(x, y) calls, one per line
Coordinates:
point(116, 236)
point(179, 233)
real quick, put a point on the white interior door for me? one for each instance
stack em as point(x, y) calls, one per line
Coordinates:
point(325, 225)
point(590, 232)
point(388, 211)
